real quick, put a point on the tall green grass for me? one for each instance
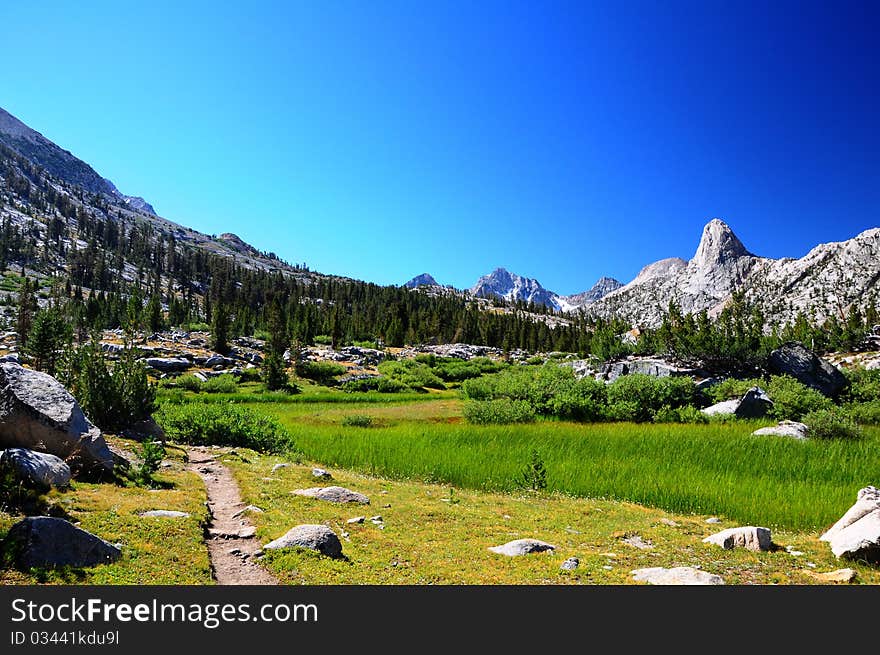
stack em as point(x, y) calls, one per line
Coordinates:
point(705, 469)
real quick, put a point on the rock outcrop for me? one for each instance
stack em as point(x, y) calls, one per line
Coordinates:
point(34, 469)
point(806, 367)
point(47, 541)
point(856, 534)
point(38, 413)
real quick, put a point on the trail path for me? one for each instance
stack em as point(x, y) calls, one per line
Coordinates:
point(231, 539)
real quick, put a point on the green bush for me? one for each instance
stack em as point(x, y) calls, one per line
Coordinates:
point(187, 382)
point(864, 385)
point(209, 424)
point(638, 396)
point(450, 369)
point(323, 340)
point(686, 414)
point(535, 360)
point(387, 385)
point(866, 413)
point(357, 420)
point(225, 383)
point(585, 400)
point(793, 400)
point(499, 411)
point(321, 372)
point(113, 399)
point(533, 475)
point(250, 375)
point(831, 424)
point(361, 385)
point(731, 388)
point(412, 374)
point(151, 454)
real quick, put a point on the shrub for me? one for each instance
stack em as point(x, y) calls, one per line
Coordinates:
point(387, 385)
point(205, 424)
point(867, 413)
point(357, 420)
point(864, 385)
point(731, 388)
point(187, 382)
point(249, 375)
point(225, 383)
point(361, 384)
point(500, 411)
point(323, 339)
point(320, 372)
point(113, 400)
point(533, 475)
point(793, 400)
point(151, 454)
point(535, 360)
point(831, 424)
point(451, 369)
point(411, 373)
point(585, 400)
point(686, 414)
point(638, 396)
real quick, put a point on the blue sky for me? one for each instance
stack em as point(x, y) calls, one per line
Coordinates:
point(562, 140)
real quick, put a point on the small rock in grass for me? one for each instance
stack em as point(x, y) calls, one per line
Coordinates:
point(333, 495)
point(357, 519)
point(570, 564)
point(166, 513)
point(522, 547)
point(669, 522)
point(314, 537)
point(249, 508)
point(278, 467)
point(637, 542)
point(749, 537)
point(713, 519)
point(840, 575)
point(680, 575)
point(321, 474)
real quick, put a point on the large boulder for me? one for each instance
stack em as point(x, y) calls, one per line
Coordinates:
point(46, 541)
point(168, 364)
point(36, 469)
point(333, 495)
point(867, 501)
point(680, 575)
point(857, 534)
point(645, 366)
point(802, 364)
point(749, 537)
point(522, 547)
point(38, 413)
point(755, 403)
point(314, 537)
point(791, 429)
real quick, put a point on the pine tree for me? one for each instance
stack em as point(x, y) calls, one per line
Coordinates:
point(48, 336)
point(274, 372)
point(220, 328)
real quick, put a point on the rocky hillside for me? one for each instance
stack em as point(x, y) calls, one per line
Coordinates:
point(830, 278)
point(60, 163)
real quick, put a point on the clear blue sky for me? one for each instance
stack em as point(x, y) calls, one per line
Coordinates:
point(564, 141)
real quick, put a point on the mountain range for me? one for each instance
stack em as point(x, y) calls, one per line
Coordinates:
point(40, 179)
point(829, 279)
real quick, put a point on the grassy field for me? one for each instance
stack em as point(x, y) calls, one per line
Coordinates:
point(154, 550)
point(436, 534)
point(716, 468)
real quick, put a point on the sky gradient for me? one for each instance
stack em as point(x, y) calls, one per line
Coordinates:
point(563, 141)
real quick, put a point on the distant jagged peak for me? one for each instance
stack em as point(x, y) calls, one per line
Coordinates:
point(718, 245)
point(422, 280)
point(602, 288)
